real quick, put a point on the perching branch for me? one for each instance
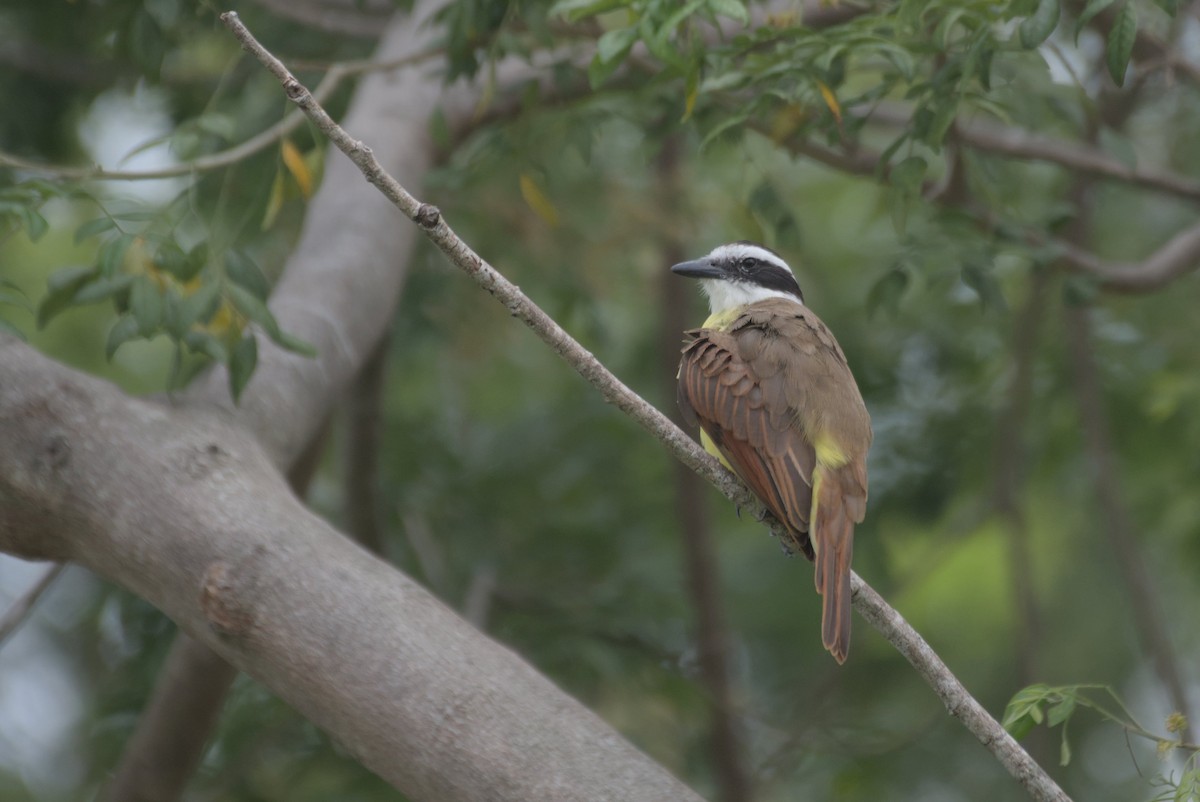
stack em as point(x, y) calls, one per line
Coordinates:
point(12, 619)
point(868, 603)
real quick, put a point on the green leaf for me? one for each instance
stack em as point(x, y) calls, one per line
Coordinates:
point(908, 175)
point(255, 310)
point(734, 9)
point(241, 364)
point(1064, 750)
point(979, 276)
point(61, 288)
point(1061, 712)
point(1037, 28)
point(172, 317)
point(17, 299)
point(296, 345)
point(68, 277)
point(93, 227)
point(112, 255)
point(1093, 8)
point(170, 258)
point(146, 305)
point(1120, 43)
point(898, 203)
point(244, 272)
point(201, 342)
point(1023, 712)
point(35, 225)
point(611, 50)
point(734, 121)
point(101, 289)
point(201, 305)
point(8, 328)
point(575, 10)
point(125, 329)
point(886, 293)
point(197, 259)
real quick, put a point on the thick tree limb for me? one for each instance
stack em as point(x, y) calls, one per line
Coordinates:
point(869, 604)
point(185, 704)
point(195, 519)
point(349, 267)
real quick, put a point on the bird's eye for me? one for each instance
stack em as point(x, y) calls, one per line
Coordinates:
point(748, 263)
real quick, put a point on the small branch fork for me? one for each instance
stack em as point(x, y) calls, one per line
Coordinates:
point(869, 604)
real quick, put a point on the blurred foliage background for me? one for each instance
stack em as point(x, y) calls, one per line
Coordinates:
point(1035, 422)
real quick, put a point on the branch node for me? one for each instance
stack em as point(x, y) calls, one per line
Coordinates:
point(296, 92)
point(220, 604)
point(428, 216)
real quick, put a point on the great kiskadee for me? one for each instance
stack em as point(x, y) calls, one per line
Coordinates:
point(775, 401)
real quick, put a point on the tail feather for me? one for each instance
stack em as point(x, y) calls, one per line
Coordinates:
point(832, 534)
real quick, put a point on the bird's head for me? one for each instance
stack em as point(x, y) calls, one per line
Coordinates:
point(741, 273)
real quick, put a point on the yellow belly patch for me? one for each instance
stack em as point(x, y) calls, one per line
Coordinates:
point(711, 448)
point(829, 453)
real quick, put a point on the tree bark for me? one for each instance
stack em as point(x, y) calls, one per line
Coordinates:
point(195, 519)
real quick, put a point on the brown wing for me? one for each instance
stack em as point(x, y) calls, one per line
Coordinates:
point(763, 391)
point(745, 412)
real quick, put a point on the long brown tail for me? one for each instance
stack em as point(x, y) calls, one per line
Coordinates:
point(832, 533)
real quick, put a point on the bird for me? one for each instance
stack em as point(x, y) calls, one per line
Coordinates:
point(776, 403)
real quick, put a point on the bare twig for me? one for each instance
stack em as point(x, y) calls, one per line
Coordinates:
point(243, 150)
point(16, 614)
point(869, 604)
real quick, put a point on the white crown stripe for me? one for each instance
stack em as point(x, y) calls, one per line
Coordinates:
point(740, 250)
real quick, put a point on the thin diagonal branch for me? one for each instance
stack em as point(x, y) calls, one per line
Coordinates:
point(868, 603)
point(16, 614)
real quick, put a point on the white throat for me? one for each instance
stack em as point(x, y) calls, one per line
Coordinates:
point(726, 295)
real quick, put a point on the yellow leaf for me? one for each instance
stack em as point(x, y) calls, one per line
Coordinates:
point(831, 101)
point(227, 323)
point(295, 164)
point(274, 202)
point(689, 103)
point(787, 122)
point(538, 201)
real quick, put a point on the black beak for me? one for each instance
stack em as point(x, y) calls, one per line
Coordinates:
point(698, 268)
